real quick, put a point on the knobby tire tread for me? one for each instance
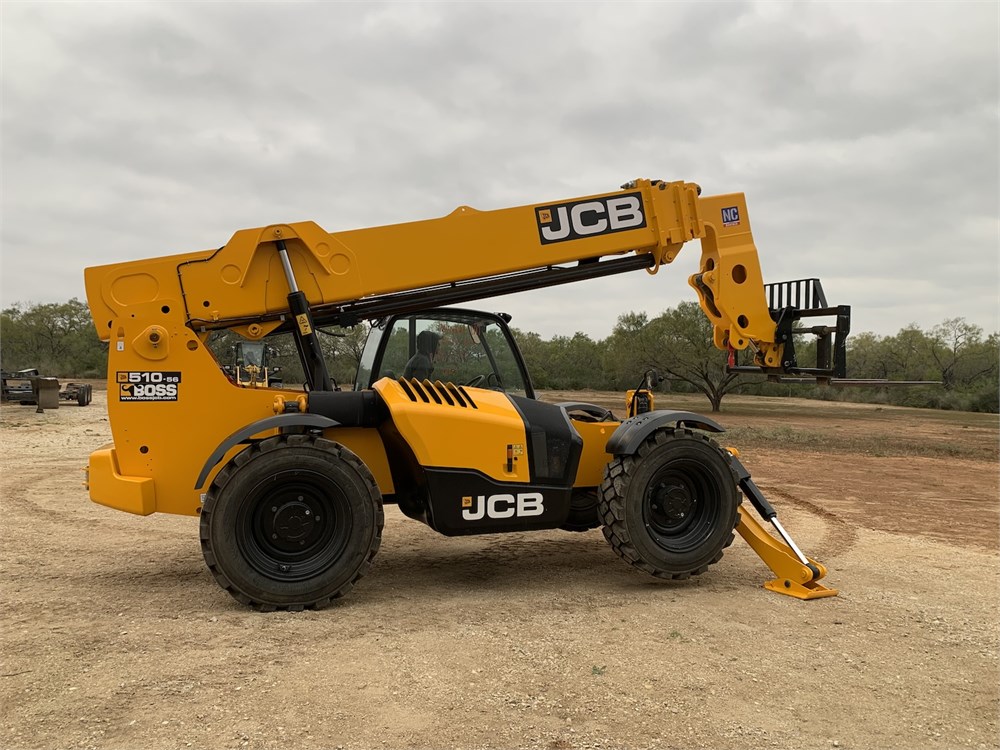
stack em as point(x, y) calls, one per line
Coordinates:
point(611, 505)
point(265, 446)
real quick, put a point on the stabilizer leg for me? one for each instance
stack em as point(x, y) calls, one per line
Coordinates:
point(793, 577)
point(797, 575)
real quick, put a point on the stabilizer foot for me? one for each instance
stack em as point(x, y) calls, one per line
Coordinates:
point(807, 590)
point(795, 578)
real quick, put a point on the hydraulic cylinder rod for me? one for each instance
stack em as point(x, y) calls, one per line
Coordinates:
point(304, 331)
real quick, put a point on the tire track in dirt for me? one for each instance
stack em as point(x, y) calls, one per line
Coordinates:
point(21, 507)
point(18, 494)
point(839, 535)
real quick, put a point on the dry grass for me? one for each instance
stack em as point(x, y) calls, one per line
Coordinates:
point(875, 444)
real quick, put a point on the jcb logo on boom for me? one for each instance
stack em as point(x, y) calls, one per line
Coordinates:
point(579, 219)
point(502, 506)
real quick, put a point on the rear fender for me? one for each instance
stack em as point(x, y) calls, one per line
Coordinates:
point(625, 441)
point(243, 435)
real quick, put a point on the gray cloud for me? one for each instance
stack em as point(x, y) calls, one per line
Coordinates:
point(864, 135)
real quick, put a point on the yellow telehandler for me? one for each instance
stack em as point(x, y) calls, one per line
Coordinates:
point(442, 419)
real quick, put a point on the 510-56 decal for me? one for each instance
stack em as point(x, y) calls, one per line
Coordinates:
point(148, 386)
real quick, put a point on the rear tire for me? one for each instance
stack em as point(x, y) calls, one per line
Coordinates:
point(291, 522)
point(671, 508)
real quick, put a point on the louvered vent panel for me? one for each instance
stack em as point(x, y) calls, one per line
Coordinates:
point(436, 392)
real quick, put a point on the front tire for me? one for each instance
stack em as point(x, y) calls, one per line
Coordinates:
point(671, 508)
point(291, 522)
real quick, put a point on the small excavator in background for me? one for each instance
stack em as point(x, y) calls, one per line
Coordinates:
point(289, 484)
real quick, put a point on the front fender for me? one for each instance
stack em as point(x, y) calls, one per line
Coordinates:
point(625, 441)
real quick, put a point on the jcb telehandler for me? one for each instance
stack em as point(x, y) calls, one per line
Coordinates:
point(290, 484)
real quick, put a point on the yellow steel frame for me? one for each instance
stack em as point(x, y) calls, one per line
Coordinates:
point(157, 314)
point(793, 578)
point(244, 279)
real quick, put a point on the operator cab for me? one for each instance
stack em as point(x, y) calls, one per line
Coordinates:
point(464, 347)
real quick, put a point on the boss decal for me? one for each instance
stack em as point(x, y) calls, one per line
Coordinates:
point(502, 506)
point(148, 386)
point(580, 219)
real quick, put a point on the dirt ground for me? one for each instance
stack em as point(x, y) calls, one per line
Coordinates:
point(115, 635)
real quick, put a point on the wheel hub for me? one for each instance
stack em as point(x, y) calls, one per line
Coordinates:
point(670, 505)
point(292, 524)
point(293, 521)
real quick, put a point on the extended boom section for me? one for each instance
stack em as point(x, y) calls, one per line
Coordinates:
point(469, 254)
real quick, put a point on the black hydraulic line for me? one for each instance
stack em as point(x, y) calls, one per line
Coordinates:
point(401, 303)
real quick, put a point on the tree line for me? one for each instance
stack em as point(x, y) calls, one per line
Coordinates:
point(59, 339)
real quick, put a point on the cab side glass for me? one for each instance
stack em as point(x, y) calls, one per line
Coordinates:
point(468, 350)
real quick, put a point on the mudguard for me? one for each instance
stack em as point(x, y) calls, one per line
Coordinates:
point(268, 423)
point(626, 440)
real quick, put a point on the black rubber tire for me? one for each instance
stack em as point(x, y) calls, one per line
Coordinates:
point(671, 508)
point(583, 514)
point(81, 395)
point(291, 523)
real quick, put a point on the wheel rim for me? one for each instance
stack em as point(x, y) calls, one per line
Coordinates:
point(293, 525)
point(681, 505)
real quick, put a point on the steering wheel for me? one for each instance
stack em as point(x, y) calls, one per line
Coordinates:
point(476, 381)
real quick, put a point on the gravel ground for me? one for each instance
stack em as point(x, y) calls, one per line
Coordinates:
point(114, 634)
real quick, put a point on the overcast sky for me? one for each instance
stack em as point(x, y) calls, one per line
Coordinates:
point(865, 135)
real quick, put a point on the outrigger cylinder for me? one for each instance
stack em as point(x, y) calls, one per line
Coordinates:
point(798, 575)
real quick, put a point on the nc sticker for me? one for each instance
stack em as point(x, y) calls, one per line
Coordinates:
point(148, 386)
point(731, 216)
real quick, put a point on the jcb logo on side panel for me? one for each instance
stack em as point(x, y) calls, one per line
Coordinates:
point(579, 219)
point(503, 506)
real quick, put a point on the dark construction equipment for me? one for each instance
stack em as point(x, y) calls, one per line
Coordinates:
point(28, 388)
